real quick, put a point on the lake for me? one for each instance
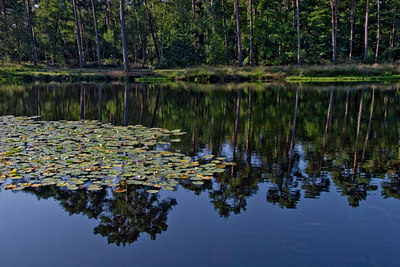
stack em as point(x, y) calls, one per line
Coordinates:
point(315, 179)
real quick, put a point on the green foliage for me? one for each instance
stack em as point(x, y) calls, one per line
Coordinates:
point(186, 35)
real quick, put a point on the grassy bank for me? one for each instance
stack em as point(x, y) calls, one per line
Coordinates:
point(206, 74)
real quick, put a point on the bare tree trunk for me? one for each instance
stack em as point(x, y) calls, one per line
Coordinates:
point(78, 35)
point(97, 33)
point(366, 32)
point(393, 31)
point(239, 37)
point(31, 31)
point(378, 35)
point(150, 19)
point(334, 29)
point(251, 32)
point(351, 30)
point(123, 36)
point(225, 32)
point(82, 31)
point(298, 33)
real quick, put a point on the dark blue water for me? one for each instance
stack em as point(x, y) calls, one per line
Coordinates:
point(313, 185)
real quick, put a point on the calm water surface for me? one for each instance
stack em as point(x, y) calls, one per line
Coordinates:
point(316, 181)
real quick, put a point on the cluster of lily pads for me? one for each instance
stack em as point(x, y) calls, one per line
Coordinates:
point(92, 155)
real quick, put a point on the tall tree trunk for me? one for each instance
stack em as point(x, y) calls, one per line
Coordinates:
point(225, 32)
point(366, 32)
point(31, 31)
point(334, 8)
point(239, 37)
point(298, 33)
point(107, 13)
point(78, 35)
point(97, 33)
point(82, 30)
point(251, 32)
point(153, 35)
point(123, 36)
point(378, 35)
point(393, 31)
point(351, 30)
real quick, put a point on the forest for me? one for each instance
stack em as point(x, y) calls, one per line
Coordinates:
point(182, 33)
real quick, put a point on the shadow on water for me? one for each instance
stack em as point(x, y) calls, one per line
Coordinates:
point(300, 141)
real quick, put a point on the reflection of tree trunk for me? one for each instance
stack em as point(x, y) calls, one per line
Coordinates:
point(290, 154)
point(37, 103)
point(126, 105)
point(328, 120)
point(155, 108)
point(369, 125)
point(100, 102)
point(327, 129)
point(194, 127)
point(398, 131)
point(249, 124)
point(235, 132)
point(82, 100)
point(142, 105)
point(346, 114)
point(223, 127)
point(69, 100)
point(385, 107)
point(358, 131)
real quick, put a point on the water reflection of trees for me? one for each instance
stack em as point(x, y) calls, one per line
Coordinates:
point(123, 217)
point(300, 142)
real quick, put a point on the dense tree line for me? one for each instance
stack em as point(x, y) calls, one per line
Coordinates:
point(189, 32)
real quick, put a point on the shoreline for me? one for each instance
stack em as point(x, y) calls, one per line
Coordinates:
point(205, 74)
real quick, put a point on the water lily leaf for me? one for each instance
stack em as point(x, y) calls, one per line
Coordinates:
point(152, 191)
